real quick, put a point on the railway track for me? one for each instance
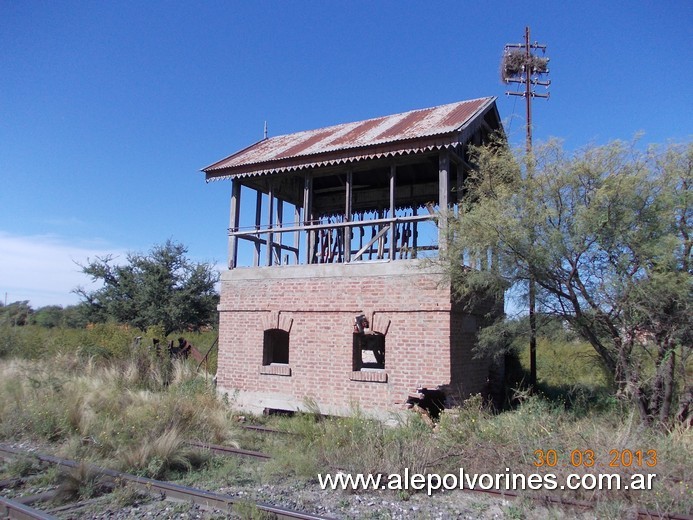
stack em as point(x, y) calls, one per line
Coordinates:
point(17, 511)
point(228, 450)
point(502, 495)
point(264, 429)
point(204, 499)
point(215, 501)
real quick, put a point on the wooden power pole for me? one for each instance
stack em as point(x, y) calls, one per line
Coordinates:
point(521, 65)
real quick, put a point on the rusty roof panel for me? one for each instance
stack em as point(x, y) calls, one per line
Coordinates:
point(301, 146)
point(312, 144)
point(405, 124)
point(356, 134)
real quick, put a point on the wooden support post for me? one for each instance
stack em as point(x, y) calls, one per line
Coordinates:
point(270, 223)
point(414, 238)
point(461, 172)
point(297, 233)
point(258, 213)
point(233, 222)
point(443, 198)
point(280, 220)
point(308, 216)
point(347, 216)
point(393, 226)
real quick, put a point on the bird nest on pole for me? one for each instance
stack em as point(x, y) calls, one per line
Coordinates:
point(513, 64)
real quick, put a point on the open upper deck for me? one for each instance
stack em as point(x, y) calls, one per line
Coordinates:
point(371, 190)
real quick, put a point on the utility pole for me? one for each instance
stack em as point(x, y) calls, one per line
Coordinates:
point(521, 65)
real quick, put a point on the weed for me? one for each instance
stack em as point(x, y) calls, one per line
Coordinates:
point(249, 511)
point(479, 507)
point(127, 496)
point(513, 512)
point(23, 467)
point(81, 482)
point(48, 477)
point(159, 456)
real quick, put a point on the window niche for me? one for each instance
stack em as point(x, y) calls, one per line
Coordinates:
point(368, 353)
point(275, 353)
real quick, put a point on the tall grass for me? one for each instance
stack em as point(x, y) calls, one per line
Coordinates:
point(135, 412)
point(479, 440)
point(100, 341)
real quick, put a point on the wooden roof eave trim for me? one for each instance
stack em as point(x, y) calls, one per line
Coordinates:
point(351, 155)
point(220, 161)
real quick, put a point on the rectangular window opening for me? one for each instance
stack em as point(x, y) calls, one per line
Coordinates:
point(368, 351)
point(275, 348)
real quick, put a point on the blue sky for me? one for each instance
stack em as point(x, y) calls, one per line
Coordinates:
point(108, 110)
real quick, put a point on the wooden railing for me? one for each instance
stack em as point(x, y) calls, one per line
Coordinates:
point(342, 241)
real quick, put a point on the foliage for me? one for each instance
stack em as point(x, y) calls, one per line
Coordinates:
point(20, 314)
point(16, 313)
point(103, 340)
point(50, 316)
point(162, 287)
point(605, 232)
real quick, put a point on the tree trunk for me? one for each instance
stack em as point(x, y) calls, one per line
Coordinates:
point(668, 395)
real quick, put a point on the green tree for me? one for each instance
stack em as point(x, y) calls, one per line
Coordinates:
point(16, 313)
point(49, 316)
point(605, 232)
point(161, 288)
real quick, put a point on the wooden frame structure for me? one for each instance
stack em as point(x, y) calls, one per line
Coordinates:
point(355, 210)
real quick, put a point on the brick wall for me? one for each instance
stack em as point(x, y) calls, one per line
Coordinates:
point(425, 342)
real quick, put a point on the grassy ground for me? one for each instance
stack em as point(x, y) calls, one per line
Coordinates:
point(135, 413)
point(98, 397)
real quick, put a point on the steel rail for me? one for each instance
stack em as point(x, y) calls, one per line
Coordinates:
point(204, 499)
point(264, 429)
point(18, 511)
point(228, 450)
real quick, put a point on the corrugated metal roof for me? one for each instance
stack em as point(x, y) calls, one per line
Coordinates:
point(419, 129)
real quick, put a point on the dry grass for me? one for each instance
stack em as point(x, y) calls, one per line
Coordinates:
point(117, 411)
point(79, 483)
point(481, 441)
point(123, 411)
point(157, 457)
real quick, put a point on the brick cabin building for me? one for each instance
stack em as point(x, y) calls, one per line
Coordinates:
point(328, 298)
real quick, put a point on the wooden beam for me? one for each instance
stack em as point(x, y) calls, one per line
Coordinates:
point(233, 223)
point(373, 199)
point(308, 215)
point(393, 241)
point(459, 159)
point(270, 223)
point(347, 215)
point(340, 225)
point(297, 234)
point(258, 214)
point(367, 247)
point(443, 198)
point(280, 220)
